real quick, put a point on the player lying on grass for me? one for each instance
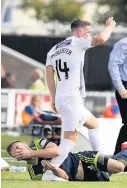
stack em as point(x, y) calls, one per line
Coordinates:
point(81, 166)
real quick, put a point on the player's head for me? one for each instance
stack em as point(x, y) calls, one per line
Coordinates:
point(15, 146)
point(81, 28)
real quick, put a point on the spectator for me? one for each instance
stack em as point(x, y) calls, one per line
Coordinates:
point(32, 115)
point(10, 79)
point(3, 77)
point(112, 110)
point(37, 78)
point(31, 111)
point(7, 79)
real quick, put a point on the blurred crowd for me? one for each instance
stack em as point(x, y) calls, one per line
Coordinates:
point(7, 78)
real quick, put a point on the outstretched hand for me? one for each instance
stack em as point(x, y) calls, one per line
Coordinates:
point(48, 165)
point(111, 22)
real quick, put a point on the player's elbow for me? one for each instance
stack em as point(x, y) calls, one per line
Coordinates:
point(119, 167)
point(56, 152)
point(101, 40)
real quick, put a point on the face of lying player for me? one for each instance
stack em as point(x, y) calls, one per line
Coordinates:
point(84, 31)
point(18, 145)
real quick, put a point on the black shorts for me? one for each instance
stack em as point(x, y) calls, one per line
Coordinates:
point(90, 172)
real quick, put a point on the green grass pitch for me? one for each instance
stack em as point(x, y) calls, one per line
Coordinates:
point(21, 180)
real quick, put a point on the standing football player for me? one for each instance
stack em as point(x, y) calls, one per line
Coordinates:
point(66, 59)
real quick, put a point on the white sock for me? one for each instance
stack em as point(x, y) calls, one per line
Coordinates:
point(64, 148)
point(94, 139)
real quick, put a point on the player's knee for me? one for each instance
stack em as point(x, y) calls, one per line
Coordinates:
point(92, 123)
point(57, 153)
point(69, 135)
point(119, 167)
point(96, 123)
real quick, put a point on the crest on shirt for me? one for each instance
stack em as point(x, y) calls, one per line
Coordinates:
point(64, 43)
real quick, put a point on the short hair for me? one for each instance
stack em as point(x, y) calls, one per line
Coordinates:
point(10, 146)
point(77, 23)
point(36, 97)
point(8, 74)
point(39, 72)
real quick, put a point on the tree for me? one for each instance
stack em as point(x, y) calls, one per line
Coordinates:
point(61, 10)
point(37, 5)
point(117, 9)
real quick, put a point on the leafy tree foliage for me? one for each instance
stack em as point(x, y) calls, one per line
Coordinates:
point(117, 9)
point(61, 10)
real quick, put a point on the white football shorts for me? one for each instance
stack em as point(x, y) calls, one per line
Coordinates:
point(73, 112)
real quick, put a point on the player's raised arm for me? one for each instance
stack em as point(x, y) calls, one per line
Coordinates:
point(104, 35)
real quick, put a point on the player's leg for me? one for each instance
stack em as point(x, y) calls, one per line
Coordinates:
point(122, 157)
point(71, 120)
point(102, 162)
point(68, 141)
point(91, 173)
point(92, 123)
point(66, 145)
point(94, 136)
point(118, 163)
point(122, 137)
point(70, 114)
point(114, 166)
point(111, 165)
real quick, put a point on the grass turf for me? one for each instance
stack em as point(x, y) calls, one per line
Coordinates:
point(5, 140)
point(21, 180)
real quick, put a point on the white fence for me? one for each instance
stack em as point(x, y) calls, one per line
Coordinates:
point(13, 102)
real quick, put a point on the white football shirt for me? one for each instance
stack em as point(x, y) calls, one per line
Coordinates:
point(67, 59)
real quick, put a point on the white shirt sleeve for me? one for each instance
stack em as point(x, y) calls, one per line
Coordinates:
point(48, 61)
point(84, 43)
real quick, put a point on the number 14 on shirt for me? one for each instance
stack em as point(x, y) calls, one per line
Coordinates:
point(60, 69)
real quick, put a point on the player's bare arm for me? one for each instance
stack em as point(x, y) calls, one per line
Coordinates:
point(51, 84)
point(50, 151)
point(56, 170)
point(104, 35)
